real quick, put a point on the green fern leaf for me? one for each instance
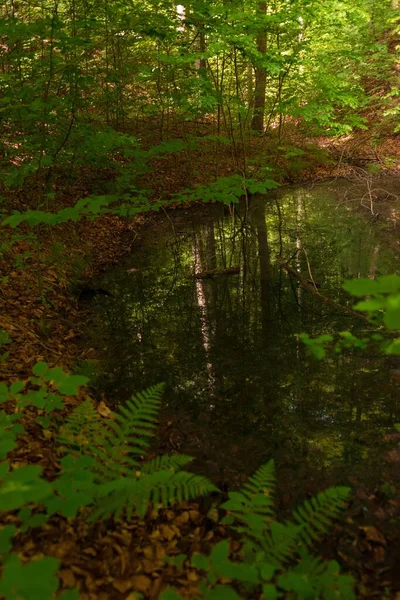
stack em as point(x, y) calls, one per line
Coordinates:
point(280, 542)
point(254, 503)
point(126, 438)
point(262, 482)
point(160, 487)
point(316, 516)
point(120, 483)
point(167, 463)
point(313, 578)
point(81, 427)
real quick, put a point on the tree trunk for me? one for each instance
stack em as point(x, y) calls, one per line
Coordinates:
point(257, 123)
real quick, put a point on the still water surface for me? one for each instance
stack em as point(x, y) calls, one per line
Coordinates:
point(240, 387)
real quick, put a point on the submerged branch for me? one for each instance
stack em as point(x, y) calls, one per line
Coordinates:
point(311, 287)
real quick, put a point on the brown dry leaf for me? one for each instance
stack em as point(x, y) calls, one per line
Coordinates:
point(103, 410)
point(122, 585)
point(141, 583)
point(379, 554)
point(70, 335)
point(149, 566)
point(125, 538)
point(47, 434)
point(182, 518)
point(159, 551)
point(194, 515)
point(148, 551)
point(373, 534)
point(67, 577)
point(80, 571)
point(29, 545)
point(167, 532)
point(156, 588)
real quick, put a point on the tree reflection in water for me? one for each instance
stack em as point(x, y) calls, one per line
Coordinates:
point(240, 387)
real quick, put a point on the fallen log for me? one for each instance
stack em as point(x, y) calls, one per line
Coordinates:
point(216, 273)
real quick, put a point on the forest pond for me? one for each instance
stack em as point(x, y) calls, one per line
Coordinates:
point(202, 304)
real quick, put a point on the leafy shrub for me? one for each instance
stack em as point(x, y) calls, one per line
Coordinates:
point(382, 307)
point(274, 559)
point(100, 467)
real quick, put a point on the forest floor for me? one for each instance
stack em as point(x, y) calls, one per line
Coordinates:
point(44, 320)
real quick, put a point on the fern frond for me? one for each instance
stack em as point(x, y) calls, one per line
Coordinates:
point(166, 463)
point(81, 427)
point(316, 515)
point(122, 485)
point(254, 503)
point(116, 447)
point(181, 486)
point(280, 542)
point(262, 482)
point(317, 579)
point(126, 495)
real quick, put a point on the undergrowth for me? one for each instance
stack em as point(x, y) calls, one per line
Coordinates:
point(102, 469)
point(274, 560)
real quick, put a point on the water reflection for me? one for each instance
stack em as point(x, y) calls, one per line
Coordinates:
point(240, 387)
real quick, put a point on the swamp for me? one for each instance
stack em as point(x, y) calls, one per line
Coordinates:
point(199, 300)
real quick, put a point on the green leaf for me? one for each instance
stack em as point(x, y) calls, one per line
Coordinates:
point(4, 337)
point(7, 443)
point(247, 573)
point(388, 284)
point(267, 571)
point(370, 305)
point(170, 594)
point(6, 535)
point(270, 592)
point(392, 316)
point(361, 287)
point(219, 553)
point(64, 383)
point(16, 387)
point(36, 580)
point(69, 506)
point(291, 581)
point(3, 392)
point(23, 486)
point(394, 347)
point(43, 421)
point(223, 592)
point(177, 561)
point(34, 521)
point(40, 369)
point(200, 561)
point(71, 387)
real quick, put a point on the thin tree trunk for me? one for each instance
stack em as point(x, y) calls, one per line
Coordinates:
point(257, 123)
